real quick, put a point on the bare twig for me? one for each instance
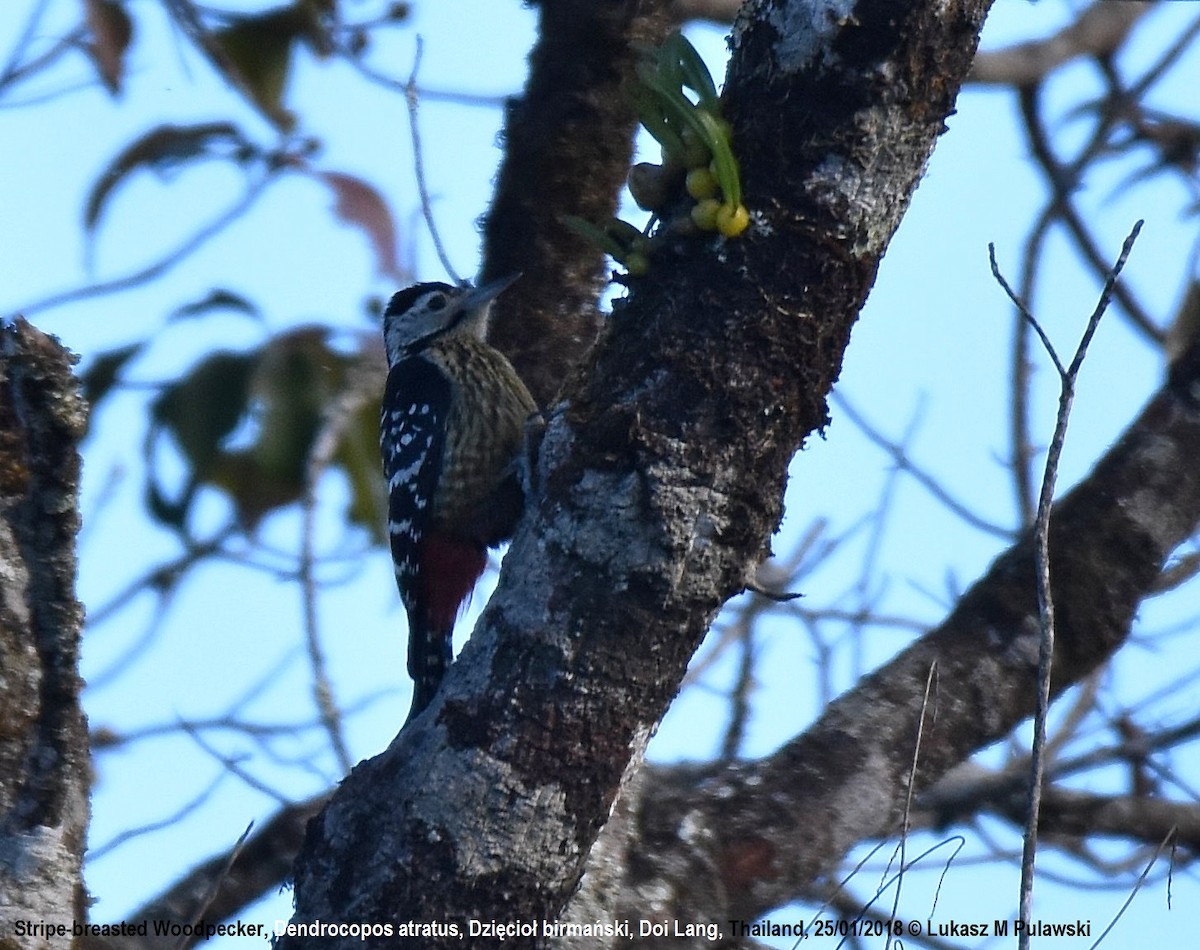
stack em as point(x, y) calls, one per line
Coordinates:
point(1068, 376)
point(255, 868)
point(739, 700)
point(1064, 178)
point(234, 767)
point(923, 478)
point(1133, 893)
point(868, 571)
point(1168, 59)
point(912, 784)
point(1021, 449)
point(412, 98)
point(96, 852)
point(338, 416)
point(13, 66)
point(219, 879)
point(15, 70)
point(158, 267)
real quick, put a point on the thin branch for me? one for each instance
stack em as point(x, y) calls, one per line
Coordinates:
point(1063, 179)
point(163, 581)
point(18, 50)
point(322, 688)
point(162, 577)
point(15, 71)
point(868, 570)
point(1068, 376)
point(739, 700)
point(923, 478)
point(159, 267)
point(352, 54)
point(215, 886)
point(1025, 314)
point(234, 767)
point(96, 852)
point(412, 98)
point(1100, 30)
point(337, 417)
point(906, 819)
point(1172, 54)
point(256, 868)
point(1021, 450)
point(1129, 900)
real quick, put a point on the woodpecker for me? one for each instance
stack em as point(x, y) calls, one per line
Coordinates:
point(451, 433)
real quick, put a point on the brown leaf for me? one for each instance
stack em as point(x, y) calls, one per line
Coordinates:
point(360, 204)
point(111, 29)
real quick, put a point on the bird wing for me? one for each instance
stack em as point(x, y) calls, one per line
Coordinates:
point(412, 436)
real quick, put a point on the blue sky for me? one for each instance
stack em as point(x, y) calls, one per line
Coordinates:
point(932, 344)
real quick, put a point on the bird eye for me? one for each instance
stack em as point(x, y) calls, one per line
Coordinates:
point(437, 302)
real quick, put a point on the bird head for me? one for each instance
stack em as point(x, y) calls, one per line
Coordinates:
point(420, 314)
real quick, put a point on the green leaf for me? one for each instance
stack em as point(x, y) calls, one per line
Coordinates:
point(218, 299)
point(102, 372)
point(358, 458)
point(201, 409)
point(258, 57)
point(161, 148)
point(694, 71)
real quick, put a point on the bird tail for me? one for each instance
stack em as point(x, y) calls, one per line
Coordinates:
point(429, 655)
point(450, 567)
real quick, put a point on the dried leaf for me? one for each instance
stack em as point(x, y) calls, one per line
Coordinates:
point(360, 204)
point(111, 30)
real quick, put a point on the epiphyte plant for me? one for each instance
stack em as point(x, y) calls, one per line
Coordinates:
point(698, 186)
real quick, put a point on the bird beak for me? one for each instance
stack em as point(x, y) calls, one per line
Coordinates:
point(481, 296)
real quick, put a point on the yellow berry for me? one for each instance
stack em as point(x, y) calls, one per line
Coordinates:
point(732, 221)
point(704, 214)
point(702, 183)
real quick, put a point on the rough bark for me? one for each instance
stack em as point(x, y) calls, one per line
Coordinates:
point(44, 767)
point(662, 477)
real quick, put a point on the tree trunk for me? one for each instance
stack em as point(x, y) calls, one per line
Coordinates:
point(44, 766)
